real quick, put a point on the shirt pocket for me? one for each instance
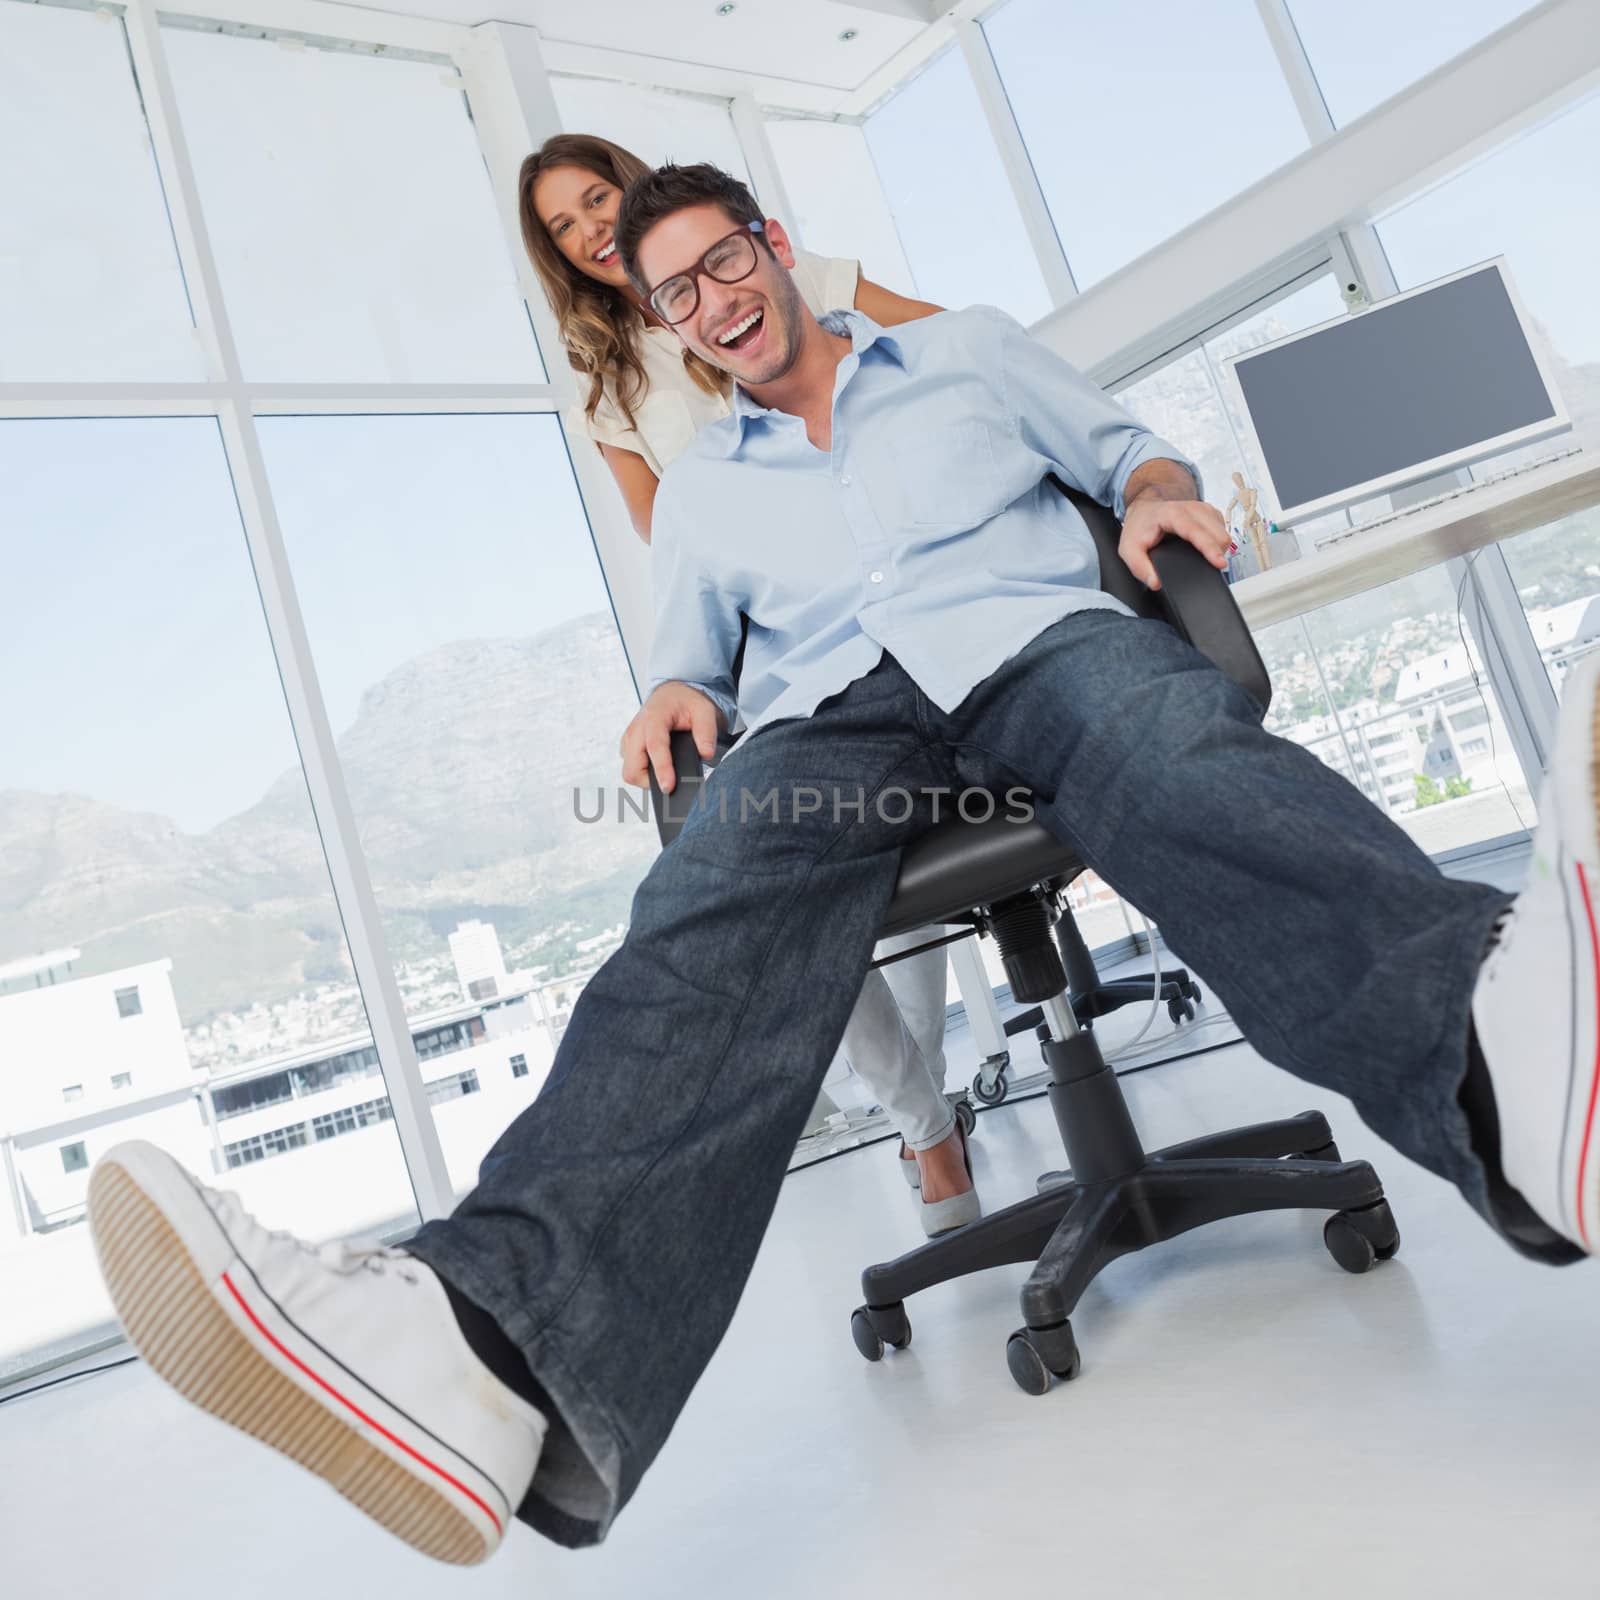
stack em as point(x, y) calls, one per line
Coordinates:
point(946, 476)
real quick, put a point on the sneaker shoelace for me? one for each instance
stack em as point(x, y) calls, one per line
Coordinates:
point(336, 1255)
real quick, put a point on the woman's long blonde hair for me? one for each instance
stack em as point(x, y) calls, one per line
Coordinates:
point(599, 325)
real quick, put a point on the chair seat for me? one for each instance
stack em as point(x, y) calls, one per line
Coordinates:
point(959, 864)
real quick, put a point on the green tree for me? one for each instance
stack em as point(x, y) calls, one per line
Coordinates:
point(1430, 794)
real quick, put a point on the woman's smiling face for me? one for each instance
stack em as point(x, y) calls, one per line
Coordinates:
point(579, 211)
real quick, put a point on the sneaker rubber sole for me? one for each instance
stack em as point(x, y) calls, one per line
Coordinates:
point(182, 1331)
point(1584, 1091)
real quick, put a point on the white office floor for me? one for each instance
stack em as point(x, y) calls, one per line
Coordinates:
point(1249, 1421)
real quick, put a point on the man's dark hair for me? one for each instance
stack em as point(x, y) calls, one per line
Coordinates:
point(667, 189)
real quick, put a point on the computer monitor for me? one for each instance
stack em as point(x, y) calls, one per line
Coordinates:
point(1414, 386)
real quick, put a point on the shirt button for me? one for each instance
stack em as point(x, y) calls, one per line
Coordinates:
point(844, 480)
point(877, 577)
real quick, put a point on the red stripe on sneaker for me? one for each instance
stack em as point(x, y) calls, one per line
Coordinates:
point(1594, 1087)
point(278, 1345)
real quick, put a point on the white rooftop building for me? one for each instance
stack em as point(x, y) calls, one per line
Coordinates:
point(37, 972)
point(84, 1064)
point(1565, 632)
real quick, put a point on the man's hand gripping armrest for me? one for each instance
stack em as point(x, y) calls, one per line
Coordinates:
point(647, 744)
point(1160, 499)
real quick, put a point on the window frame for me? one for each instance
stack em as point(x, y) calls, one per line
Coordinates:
point(504, 84)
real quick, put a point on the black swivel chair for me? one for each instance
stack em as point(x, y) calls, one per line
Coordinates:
point(1006, 880)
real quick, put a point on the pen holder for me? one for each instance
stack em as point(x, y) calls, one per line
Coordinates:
point(1282, 548)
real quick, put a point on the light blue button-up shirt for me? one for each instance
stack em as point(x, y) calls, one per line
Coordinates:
point(929, 530)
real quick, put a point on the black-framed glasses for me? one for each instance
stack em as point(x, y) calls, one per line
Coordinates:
point(731, 258)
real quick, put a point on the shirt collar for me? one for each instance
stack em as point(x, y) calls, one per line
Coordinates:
point(863, 334)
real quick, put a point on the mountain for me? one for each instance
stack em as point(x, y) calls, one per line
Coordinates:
point(461, 765)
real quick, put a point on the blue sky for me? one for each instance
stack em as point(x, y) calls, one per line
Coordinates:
point(132, 643)
point(1131, 142)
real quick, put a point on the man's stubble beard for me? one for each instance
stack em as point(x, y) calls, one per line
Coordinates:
point(792, 306)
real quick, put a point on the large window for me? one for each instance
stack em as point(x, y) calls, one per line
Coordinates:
point(950, 198)
point(1385, 687)
point(1557, 573)
point(1364, 51)
point(656, 126)
point(477, 687)
point(354, 226)
point(90, 286)
point(173, 958)
point(1535, 201)
point(1388, 689)
point(1189, 402)
point(167, 924)
point(1138, 119)
point(839, 204)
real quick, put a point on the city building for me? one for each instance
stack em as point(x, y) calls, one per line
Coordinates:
point(480, 965)
point(85, 1063)
point(97, 1060)
point(1462, 732)
point(1566, 632)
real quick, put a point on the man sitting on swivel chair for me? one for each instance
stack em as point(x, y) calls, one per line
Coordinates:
point(925, 616)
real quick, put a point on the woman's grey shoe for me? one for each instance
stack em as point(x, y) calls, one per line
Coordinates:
point(909, 1170)
point(942, 1216)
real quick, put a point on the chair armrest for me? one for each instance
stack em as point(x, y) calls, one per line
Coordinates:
point(1198, 603)
point(1193, 597)
point(672, 810)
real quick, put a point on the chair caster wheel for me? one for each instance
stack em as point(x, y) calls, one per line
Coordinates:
point(966, 1115)
point(992, 1091)
point(1180, 1010)
point(1359, 1240)
point(873, 1327)
point(1035, 1355)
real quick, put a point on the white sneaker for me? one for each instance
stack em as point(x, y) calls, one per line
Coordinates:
point(1535, 1004)
point(345, 1358)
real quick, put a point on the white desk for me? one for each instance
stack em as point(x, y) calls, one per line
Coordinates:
point(1368, 559)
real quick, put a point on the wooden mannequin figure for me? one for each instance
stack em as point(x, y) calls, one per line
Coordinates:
point(1252, 524)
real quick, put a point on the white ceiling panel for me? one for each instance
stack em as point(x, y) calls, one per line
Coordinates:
point(772, 42)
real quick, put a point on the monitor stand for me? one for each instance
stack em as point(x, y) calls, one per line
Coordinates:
point(1413, 494)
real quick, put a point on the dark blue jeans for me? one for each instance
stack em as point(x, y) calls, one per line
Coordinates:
point(616, 1220)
